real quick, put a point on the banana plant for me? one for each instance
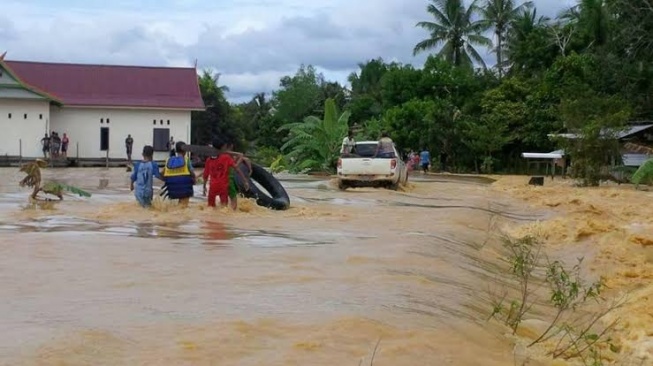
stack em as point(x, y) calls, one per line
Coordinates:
point(643, 175)
point(314, 144)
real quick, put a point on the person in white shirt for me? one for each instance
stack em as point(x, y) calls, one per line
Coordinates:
point(348, 144)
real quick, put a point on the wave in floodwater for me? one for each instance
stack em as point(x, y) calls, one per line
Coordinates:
point(204, 232)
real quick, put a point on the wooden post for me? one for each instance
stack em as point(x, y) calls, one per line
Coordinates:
point(20, 151)
point(77, 147)
point(107, 158)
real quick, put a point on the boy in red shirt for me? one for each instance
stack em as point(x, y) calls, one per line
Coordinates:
point(216, 170)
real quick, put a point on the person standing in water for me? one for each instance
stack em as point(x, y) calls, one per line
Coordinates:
point(425, 160)
point(179, 175)
point(233, 184)
point(143, 175)
point(217, 172)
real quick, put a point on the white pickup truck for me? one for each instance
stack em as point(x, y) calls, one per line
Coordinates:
point(362, 169)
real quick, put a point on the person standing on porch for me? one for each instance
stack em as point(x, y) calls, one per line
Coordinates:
point(171, 146)
point(64, 145)
point(129, 144)
point(45, 145)
point(55, 144)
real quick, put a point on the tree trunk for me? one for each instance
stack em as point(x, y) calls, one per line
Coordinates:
point(499, 54)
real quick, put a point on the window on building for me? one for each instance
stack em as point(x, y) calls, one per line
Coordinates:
point(108, 120)
point(104, 138)
point(25, 116)
point(40, 116)
point(168, 122)
point(101, 120)
point(9, 115)
point(161, 122)
point(161, 138)
point(154, 122)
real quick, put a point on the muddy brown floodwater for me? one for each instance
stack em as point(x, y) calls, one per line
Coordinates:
point(100, 281)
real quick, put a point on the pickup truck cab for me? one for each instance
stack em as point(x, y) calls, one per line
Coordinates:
point(362, 169)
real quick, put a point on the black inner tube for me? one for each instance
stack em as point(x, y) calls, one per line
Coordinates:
point(278, 197)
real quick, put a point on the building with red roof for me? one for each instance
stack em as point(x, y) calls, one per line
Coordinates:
point(97, 106)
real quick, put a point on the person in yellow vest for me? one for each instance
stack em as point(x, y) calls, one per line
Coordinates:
point(179, 176)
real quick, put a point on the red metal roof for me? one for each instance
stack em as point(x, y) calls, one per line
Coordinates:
point(113, 85)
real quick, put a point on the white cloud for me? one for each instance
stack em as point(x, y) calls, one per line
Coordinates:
point(252, 43)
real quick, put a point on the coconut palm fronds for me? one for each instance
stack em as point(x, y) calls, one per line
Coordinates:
point(57, 189)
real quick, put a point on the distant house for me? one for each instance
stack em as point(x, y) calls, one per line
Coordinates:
point(636, 143)
point(97, 106)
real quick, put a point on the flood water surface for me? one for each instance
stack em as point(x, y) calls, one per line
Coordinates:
point(101, 281)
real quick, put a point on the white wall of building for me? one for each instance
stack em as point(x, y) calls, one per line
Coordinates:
point(27, 124)
point(83, 127)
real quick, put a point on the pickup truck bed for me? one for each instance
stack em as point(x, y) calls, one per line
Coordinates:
point(363, 169)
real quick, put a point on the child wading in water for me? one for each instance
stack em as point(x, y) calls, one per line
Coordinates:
point(217, 172)
point(233, 185)
point(143, 175)
point(179, 175)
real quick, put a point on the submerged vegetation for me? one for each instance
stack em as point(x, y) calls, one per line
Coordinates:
point(574, 329)
point(589, 69)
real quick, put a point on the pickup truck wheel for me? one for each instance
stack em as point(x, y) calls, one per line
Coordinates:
point(393, 186)
point(342, 185)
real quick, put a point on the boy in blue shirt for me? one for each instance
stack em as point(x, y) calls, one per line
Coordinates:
point(143, 175)
point(425, 159)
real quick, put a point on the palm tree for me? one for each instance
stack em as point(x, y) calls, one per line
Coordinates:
point(591, 18)
point(522, 39)
point(210, 87)
point(315, 143)
point(455, 28)
point(207, 123)
point(499, 14)
point(259, 99)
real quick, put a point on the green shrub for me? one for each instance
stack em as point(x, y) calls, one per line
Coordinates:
point(266, 155)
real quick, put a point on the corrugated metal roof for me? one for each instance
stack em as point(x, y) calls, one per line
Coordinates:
point(634, 159)
point(625, 133)
point(112, 85)
point(633, 130)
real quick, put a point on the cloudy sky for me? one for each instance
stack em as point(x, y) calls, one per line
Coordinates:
point(252, 43)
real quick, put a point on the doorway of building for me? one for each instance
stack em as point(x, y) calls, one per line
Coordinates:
point(104, 138)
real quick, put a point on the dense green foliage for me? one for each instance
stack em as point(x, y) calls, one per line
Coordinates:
point(589, 70)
